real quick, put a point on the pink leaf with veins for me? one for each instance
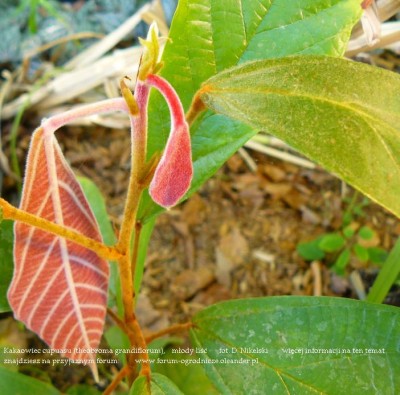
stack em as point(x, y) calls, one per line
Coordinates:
point(174, 173)
point(59, 289)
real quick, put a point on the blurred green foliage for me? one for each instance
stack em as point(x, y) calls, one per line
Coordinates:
point(337, 248)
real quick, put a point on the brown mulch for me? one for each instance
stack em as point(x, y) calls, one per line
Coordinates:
point(237, 236)
point(234, 238)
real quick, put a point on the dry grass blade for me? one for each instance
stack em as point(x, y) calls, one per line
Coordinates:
point(280, 154)
point(386, 9)
point(99, 49)
point(90, 69)
point(4, 91)
point(74, 83)
point(389, 31)
point(390, 35)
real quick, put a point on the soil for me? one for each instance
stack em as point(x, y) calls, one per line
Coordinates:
point(237, 236)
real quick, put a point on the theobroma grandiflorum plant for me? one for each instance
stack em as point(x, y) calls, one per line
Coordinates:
point(61, 277)
point(281, 71)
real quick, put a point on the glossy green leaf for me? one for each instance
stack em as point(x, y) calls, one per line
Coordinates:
point(160, 385)
point(6, 261)
point(300, 345)
point(342, 114)
point(13, 383)
point(331, 242)
point(208, 36)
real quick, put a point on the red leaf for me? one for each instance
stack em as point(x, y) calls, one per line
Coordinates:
point(59, 289)
point(174, 173)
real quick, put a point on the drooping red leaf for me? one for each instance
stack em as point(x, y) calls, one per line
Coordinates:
point(59, 289)
point(174, 173)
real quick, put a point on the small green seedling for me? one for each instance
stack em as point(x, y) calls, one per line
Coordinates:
point(351, 240)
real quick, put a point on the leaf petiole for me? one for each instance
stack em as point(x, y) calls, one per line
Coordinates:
point(16, 214)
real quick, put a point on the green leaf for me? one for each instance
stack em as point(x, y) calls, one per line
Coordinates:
point(361, 252)
point(310, 250)
point(377, 255)
point(342, 261)
point(140, 387)
point(98, 206)
point(185, 372)
point(160, 385)
point(6, 262)
point(387, 276)
point(144, 239)
point(331, 242)
point(300, 345)
point(82, 389)
point(366, 233)
point(117, 339)
point(348, 232)
point(342, 114)
point(159, 345)
point(13, 383)
point(208, 36)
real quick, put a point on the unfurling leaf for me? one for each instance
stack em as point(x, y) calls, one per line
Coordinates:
point(59, 289)
point(175, 170)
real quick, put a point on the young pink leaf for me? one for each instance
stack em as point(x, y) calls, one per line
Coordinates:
point(59, 289)
point(174, 173)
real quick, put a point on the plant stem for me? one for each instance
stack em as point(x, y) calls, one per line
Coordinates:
point(145, 370)
point(135, 190)
point(196, 108)
point(119, 322)
point(16, 214)
point(351, 205)
point(55, 122)
point(167, 331)
point(139, 150)
point(117, 379)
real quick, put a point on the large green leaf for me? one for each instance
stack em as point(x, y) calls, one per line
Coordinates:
point(342, 114)
point(6, 262)
point(300, 345)
point(159, 385)
point(13, 383)
point(208, 36)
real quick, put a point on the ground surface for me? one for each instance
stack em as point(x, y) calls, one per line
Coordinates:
point(237, 236)
point(234, 238)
